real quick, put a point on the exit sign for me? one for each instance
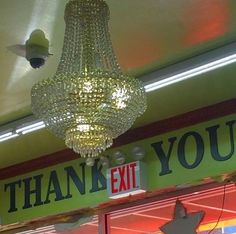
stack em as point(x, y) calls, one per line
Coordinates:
point(127, 179)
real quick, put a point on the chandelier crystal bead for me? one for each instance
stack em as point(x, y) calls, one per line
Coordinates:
point(89, 101)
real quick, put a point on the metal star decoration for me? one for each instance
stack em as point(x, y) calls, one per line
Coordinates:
point(183, 222)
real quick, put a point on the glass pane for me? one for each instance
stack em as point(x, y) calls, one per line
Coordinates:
point(148, 218)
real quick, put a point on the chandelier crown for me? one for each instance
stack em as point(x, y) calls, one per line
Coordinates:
point(87, 46)
point(88, 102)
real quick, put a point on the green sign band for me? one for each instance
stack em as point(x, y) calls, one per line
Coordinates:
point(175, 158)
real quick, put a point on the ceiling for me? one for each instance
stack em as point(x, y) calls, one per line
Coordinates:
point(146, 35)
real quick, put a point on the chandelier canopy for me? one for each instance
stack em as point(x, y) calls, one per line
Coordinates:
point(88, 102)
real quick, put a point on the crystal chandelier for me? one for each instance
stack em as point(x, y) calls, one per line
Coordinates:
point(88, 102)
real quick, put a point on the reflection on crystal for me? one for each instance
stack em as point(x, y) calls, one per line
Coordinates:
point(84, 128)
point(88, 88)
point(121, 97)
point(88, 102)
point(120, 105)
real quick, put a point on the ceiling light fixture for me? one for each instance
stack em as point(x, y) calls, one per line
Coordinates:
point(7, 135)
point(88, 102)
point(27, 128)
point(189, 68)
point(20, 127)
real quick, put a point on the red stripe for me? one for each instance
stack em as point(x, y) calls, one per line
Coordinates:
point(177, 122)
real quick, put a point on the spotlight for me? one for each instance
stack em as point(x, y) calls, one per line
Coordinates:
point(104, 161)
point(90, 162)
point(138, 152)
point(119, 157)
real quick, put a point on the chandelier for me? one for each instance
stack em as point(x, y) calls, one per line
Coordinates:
point(89, 101)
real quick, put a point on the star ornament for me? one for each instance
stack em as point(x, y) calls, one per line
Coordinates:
point(183, 222)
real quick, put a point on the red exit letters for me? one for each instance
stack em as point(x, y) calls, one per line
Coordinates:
point(125, 180)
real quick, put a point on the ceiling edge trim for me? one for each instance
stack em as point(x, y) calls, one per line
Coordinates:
point(157, 128)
